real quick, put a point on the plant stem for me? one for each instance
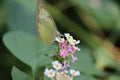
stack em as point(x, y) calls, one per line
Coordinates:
point(33, 73)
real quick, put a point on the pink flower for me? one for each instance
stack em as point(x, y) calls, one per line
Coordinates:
point(63, 44)
point(65, 65)
point(74, 58)
point(63, 53)
point(71, 49)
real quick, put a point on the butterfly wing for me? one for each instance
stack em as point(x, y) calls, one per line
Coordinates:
point(46, 26)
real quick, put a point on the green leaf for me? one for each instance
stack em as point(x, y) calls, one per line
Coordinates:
point(28, 48)
point(84, 77)
point(105, 12)
point(85, 63)
point(19, 75)
point(114, 78)
point(2, 19)
point(105, 59)
point(21, 15)
point(46, 78)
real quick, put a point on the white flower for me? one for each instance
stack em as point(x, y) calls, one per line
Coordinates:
point(74, 42)
point(49, 73)
point(74, 73)
point(57, 65)
point(77, 48)
point(58, 39)
point(69, 38)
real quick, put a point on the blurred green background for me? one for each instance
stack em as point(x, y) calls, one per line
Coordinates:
point(95, 22)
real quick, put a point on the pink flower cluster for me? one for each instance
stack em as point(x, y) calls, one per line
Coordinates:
point(67, 46)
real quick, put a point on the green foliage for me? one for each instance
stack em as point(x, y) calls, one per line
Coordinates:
point(21, 15)
point(113, 77)
point(105, 12)
point(86, 64)
point(103, 58)
point(2, 16)
point(19, 75)
point(29, 49)
point(83, 77)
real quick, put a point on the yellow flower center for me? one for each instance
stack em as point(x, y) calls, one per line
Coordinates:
point(73, 73)
point(50, 73)
point(74, 42)
point(68, 37)
point(56, 65)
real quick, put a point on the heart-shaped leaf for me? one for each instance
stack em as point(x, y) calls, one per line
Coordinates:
point(28, 48)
